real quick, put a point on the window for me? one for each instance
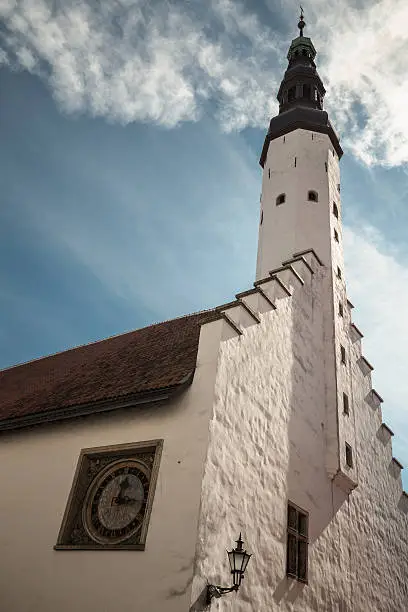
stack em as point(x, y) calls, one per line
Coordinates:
point(343, 354)
point(346, 409)
point(261, 217)
point(338, 272)
point(336, 235)
point(341, 309)
point(297, 543)
point(312, 196)
point(338, 187)
point(335, 210)
point(349, 455)
point(291, 94)
point(325, 166)
point(280, 199)
point(307, 92)
point(269, 173)
point(295, 162)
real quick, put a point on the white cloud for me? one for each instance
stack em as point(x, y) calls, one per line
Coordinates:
point(128, 61)
point(377, 279)
point(131, 61)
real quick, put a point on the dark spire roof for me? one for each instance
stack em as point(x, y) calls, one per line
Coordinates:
point(300, 95)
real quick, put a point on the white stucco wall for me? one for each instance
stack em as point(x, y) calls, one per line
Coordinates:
point(37, 466)
point(268, 445)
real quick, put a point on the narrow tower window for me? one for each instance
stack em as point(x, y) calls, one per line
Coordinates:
point(341, 311)
point(269, 173)
point(291, 94)
point(343, 354)
point(338, 187)
point(335, 210)
point(280, 199)
point(261, 217)
point(338, 272)
point(307, 92)
point(312, 196)
point(297, 543)
point(349, 455)
point(336, 236)
point(346, 408)
point(295, 162)
point(325, 166)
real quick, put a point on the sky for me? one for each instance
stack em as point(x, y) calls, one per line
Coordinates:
point(130, 135)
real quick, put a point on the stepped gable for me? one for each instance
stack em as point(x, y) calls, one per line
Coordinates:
point(123, 367)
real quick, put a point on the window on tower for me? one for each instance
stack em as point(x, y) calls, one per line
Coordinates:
point(335, 210)
point(291, 94)
point(280, 199)
point(349, 455)
point(297, 543)
point(336, 235)
point(346, 407)
point(307, 91)
point(312, 196)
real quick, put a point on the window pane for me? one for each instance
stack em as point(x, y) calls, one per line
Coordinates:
point(292, 518)
point(291, 563)
point(302, 524)
point(302, 560)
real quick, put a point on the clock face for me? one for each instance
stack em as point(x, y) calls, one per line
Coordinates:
point(115, 503)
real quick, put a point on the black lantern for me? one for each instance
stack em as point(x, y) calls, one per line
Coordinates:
point(238, 559)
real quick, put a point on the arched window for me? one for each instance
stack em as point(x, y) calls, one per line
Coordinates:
point(335, 210)
point(291, 94)
point(280, 199)
point(312, 196)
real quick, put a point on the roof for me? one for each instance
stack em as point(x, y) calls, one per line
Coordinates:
point(161, 356)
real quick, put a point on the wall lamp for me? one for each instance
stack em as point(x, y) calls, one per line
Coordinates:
point(238, 560)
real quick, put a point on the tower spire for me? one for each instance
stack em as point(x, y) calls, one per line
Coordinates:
point(302, 22)
point(300, 95)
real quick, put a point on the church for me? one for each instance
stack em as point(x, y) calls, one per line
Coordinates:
point(233, 459)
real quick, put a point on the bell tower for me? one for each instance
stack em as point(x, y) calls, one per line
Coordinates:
point(300, 161)
point(300, 213)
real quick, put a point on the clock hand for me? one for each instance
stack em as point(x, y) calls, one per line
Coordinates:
point(119, 499)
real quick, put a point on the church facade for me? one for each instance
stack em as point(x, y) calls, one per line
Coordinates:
point(128, 466)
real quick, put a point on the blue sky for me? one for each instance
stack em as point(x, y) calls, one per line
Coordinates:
point(130, 140)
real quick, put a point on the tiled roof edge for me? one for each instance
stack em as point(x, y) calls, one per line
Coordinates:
point(79, 346)
point(144, 397)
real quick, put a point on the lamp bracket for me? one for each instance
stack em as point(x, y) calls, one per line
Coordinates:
point(218, 591)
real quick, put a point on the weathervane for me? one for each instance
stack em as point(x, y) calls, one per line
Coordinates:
point(301, 23)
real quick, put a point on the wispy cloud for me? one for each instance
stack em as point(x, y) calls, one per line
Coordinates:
point(129, 60)
point(133, 60)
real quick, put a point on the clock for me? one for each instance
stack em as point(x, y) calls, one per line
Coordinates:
point(110, 502)
point(115, 503)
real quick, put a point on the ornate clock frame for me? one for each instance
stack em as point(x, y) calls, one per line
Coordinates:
point(92, 464)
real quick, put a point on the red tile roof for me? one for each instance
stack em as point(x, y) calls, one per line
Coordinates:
point(145, 360)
